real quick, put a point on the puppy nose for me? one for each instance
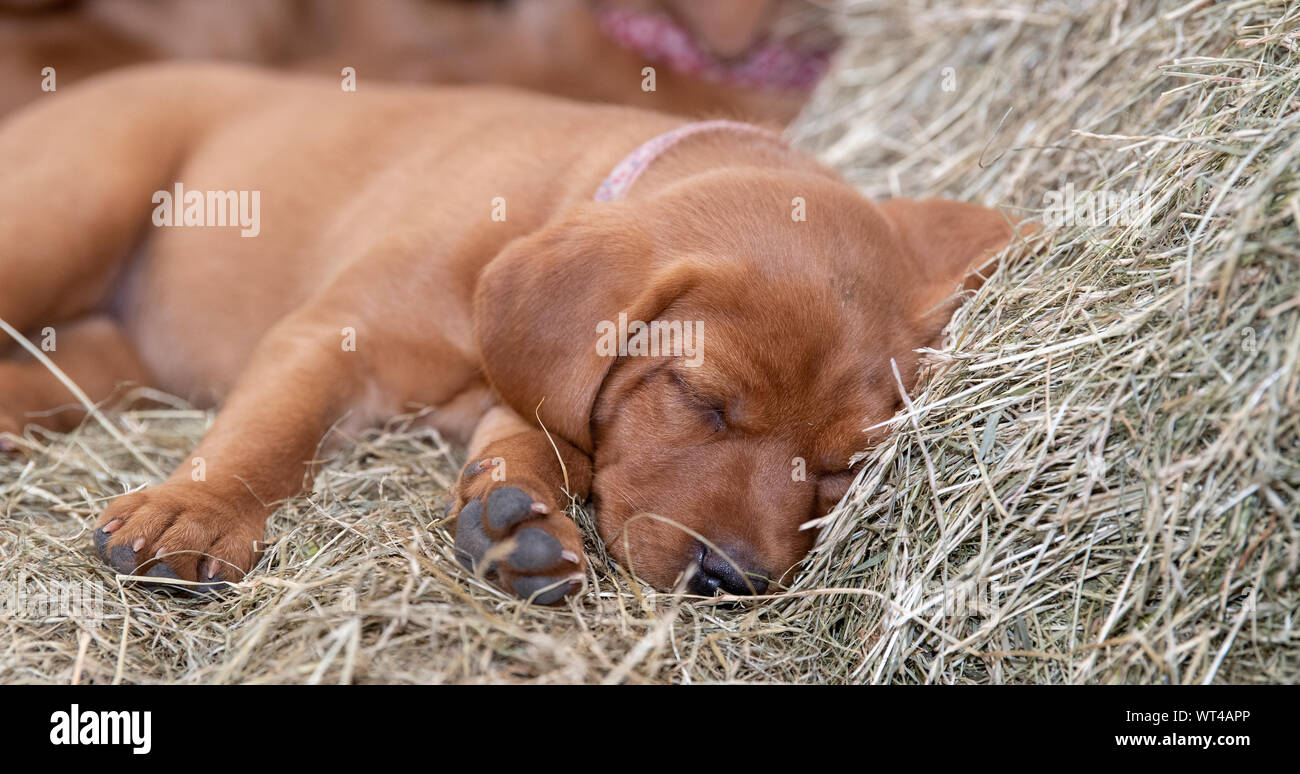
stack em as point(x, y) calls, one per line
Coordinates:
point(734, 577)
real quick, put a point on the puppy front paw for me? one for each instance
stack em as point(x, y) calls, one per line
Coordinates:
point(177, 531)
point(520, 538)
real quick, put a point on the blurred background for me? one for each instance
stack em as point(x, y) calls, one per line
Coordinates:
point(753, 59)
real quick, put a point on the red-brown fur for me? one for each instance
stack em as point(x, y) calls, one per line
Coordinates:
point(376, 217)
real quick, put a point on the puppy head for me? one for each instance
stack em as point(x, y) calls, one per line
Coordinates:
point(720, 358)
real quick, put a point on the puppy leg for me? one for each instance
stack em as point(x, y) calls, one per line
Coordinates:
point(93, 352)
point(77, 176)
point(203, 523)
point(510, 502)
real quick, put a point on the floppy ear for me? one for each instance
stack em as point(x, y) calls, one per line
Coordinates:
point(538, 304)
point(954, 246)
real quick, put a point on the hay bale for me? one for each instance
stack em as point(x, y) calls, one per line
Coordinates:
point(1101, 483)
point(1098, 483)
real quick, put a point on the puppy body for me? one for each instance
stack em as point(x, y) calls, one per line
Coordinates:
point(439, 248)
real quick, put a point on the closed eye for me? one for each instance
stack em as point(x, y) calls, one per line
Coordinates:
point(713, 411)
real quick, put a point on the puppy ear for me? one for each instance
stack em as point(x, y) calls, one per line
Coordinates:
point(538, 305)
point(955, 247)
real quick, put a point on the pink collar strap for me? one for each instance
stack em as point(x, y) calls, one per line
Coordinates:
point(622, 177)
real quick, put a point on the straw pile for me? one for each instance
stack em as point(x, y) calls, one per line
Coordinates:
point(1099, 482)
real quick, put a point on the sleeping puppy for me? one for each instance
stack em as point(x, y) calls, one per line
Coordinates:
point(691, 324)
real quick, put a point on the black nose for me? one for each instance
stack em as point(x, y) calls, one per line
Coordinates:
point(736, 576)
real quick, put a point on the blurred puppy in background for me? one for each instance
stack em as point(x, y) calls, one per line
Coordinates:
point(749, 59)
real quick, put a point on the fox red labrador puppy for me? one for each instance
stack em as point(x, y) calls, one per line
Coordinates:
point(690, 323)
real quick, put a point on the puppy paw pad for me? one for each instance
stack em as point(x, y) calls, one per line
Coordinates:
point(508, 506)
point(535, 550)
point(544, 589)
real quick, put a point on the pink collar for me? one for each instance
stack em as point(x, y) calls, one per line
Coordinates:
point(630, 168)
